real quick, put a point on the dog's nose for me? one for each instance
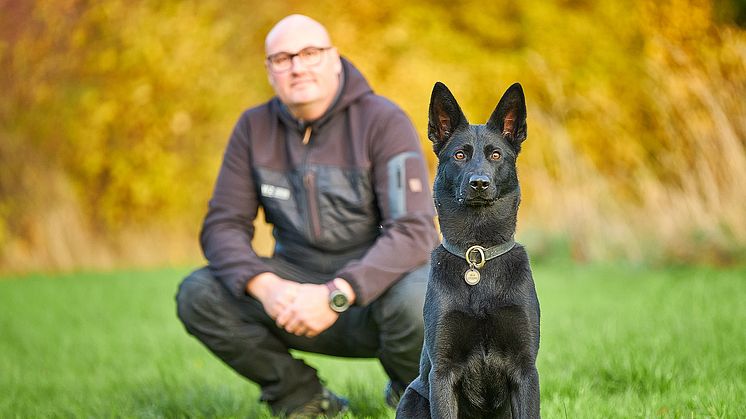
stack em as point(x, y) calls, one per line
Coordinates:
point(479, 182)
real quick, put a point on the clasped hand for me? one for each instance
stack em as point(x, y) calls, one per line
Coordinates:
point(300, 309)
point(308, 314)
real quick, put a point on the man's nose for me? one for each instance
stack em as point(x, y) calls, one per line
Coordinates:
point(295, 62)
point(479, 182)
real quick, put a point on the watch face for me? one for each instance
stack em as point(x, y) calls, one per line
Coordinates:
point(338, 301)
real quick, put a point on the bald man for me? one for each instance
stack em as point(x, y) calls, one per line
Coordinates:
point(340, 175)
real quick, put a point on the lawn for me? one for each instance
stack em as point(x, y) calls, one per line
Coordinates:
point(617, 342)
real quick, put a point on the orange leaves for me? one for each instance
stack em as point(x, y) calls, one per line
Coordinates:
point(632, 107)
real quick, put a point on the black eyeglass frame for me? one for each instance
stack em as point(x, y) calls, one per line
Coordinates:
point(271, 65)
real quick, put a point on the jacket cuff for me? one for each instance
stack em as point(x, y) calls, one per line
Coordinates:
point(350, 278)
point(236, 282)
point(359, 275)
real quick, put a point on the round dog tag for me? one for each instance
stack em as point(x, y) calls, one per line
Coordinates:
point(472, 276)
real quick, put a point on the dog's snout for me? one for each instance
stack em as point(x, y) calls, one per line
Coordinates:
point(479, 182)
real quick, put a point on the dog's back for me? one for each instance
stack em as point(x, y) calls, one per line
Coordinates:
point(481, 309)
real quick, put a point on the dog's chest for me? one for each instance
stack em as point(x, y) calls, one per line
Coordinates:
point(486, 325)
point(490, 336)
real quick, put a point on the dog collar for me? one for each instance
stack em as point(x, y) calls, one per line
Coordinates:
point(476, 256)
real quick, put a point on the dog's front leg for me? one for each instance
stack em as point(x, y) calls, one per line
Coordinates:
point(524, 396)
point(443, 402)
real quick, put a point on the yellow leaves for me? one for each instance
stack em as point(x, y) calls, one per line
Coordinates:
point(78, 38)
point(104, 114)
point(107, 60)
point(142, 94)
point(133, 101)
point(678, 20)
point(181, 122)
point(4, 212)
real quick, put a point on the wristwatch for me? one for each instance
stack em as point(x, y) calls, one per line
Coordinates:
point(338, 300)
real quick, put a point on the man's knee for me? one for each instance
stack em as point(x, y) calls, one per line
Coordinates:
point(196, 294)
point(403, 302)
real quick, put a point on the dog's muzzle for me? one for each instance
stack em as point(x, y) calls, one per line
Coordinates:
point(479, 182)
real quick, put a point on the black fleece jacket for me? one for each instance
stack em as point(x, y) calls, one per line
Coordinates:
point(354, 202)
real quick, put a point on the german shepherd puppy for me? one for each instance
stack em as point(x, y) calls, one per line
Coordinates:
point(481, 309)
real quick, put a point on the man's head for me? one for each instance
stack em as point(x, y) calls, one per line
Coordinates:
point(307, 82)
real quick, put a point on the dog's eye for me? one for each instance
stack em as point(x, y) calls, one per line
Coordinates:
point(495, 155)
point(459, 155)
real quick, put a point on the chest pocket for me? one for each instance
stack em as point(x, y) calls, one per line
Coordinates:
point(347, 208)
point(329, 208)
point(279, 196)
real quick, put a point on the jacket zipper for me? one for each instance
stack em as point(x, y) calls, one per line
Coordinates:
point(313, 206)
point(309, 181)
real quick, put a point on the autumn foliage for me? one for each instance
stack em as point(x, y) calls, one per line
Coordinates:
point(114, 115)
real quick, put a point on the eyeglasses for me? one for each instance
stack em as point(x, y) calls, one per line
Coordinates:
point(283, 61)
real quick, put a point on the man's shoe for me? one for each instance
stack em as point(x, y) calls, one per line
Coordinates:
point(393, 392)
point(324, 404)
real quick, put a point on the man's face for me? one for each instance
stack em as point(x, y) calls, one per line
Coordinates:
point(302, 85)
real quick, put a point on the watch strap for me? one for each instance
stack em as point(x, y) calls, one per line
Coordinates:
point(332, 286)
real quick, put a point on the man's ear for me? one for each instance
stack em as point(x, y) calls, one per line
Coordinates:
point(337, 61)
point(445, 116)
point(509, 117)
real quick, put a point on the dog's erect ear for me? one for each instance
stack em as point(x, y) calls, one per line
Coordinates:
point(445, 116)
point(509, 117)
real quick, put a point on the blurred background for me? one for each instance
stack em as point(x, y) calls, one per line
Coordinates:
point(114, 116)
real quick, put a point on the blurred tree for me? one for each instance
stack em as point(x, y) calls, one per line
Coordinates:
point(114, 115)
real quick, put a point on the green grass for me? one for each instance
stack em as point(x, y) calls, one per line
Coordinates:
point(617, 342)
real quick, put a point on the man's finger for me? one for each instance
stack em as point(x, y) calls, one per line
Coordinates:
point(293, 325)
point(283, 318)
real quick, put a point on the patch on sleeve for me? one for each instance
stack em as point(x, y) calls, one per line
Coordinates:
point(398, 183)
point(415, 184)
point(277, 192)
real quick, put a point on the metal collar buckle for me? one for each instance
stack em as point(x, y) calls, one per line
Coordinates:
point(482, 258)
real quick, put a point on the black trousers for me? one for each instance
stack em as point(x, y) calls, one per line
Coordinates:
point(241, 333)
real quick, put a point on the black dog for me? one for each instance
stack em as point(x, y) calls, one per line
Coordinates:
point(481, 310)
